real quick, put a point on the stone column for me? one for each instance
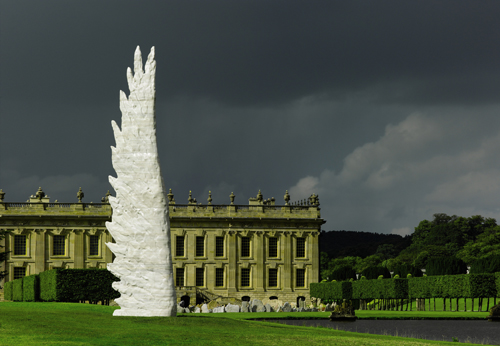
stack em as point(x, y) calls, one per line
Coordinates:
point(232, 270)
point(39, 251)
point(313, 257)
point(78, 249)
point(260, 258)
point(288, 258)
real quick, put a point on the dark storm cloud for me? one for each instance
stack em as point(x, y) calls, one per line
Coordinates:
point(261, 52)
point(269, 95)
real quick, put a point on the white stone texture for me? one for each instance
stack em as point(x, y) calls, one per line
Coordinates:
point(218, 309)
point(140, 223)
point(232, 308)
point(197, 310)
point(286, 307)
point(245, 307)
point(205, 309)
point(257, 306)
point(275, 304)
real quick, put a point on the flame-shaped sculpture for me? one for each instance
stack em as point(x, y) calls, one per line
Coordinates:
point(140, 225)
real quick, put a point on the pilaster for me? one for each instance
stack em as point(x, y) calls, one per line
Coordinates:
point(78, 249)
point(259, 257)
point(40, 251)
point(287, 266)
point(232, 275)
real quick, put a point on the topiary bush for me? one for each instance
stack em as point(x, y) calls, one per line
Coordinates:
point(445, 266)
point(31, 288)
point(86, 284)
point(73, 285)
point(404, 269)
point(17, 290)
point(343, 273)
point(48, 289)
point(375, 271)
point(332, 290)
point(489, 264)
point(7, 290)
point(380, 289)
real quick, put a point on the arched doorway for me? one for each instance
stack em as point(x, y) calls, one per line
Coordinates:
point(185, 300)
point(299, 300)
point(273, 298)
point(245, 298)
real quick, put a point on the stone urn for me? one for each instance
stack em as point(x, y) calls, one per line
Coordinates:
point(494, 313)
point(343, 313)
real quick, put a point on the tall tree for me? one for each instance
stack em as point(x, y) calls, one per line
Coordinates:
point(485, 245)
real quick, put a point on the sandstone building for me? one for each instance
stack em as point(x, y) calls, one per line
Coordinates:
point(259, 250)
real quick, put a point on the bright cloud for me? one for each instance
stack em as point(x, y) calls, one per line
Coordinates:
point(421, 166)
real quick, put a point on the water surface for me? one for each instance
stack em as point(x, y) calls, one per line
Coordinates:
point(472, 331)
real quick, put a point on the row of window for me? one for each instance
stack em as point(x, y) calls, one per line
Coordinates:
point(58, 245)
point(244, 279)
point(272, 251)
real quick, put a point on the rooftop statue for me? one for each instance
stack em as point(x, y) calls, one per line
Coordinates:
point(140, 225)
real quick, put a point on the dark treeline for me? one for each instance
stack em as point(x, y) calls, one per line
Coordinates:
point(362, 244)
point(473, 241)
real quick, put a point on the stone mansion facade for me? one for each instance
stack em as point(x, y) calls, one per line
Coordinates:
point(260, 250)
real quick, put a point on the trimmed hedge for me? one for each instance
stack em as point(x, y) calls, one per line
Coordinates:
point(380, 289)
point(482, 286)
point(31, 288)
point(419, 287)
point(73, 285)
point(17, 292)
point(86, 284)
point(331, 290)
point(445, 266)
point(446, 286)
point(489, 264)
point(7, 290)
point(453, 286)
point(48, 280)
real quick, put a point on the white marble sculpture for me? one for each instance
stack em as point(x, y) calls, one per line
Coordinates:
point(140, 225)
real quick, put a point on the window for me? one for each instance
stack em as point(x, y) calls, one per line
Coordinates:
point(245, 247)
point(219, 277)
point(301, 247)
point(19, 272)
point(273, 247)
point(219, 246)
point(273, 277)
point(94, 245)
point(179, 276)
point(200, 277)
point(300, 278)
point(200, 247)
point(179, 246)
point(20, 245)
point(58, 245)
point(245, 277)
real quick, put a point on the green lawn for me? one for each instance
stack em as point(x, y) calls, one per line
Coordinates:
point(83, 324)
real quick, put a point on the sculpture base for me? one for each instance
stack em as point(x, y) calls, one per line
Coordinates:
point(146, 313)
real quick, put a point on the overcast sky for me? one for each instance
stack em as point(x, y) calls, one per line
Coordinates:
point(388, 110)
